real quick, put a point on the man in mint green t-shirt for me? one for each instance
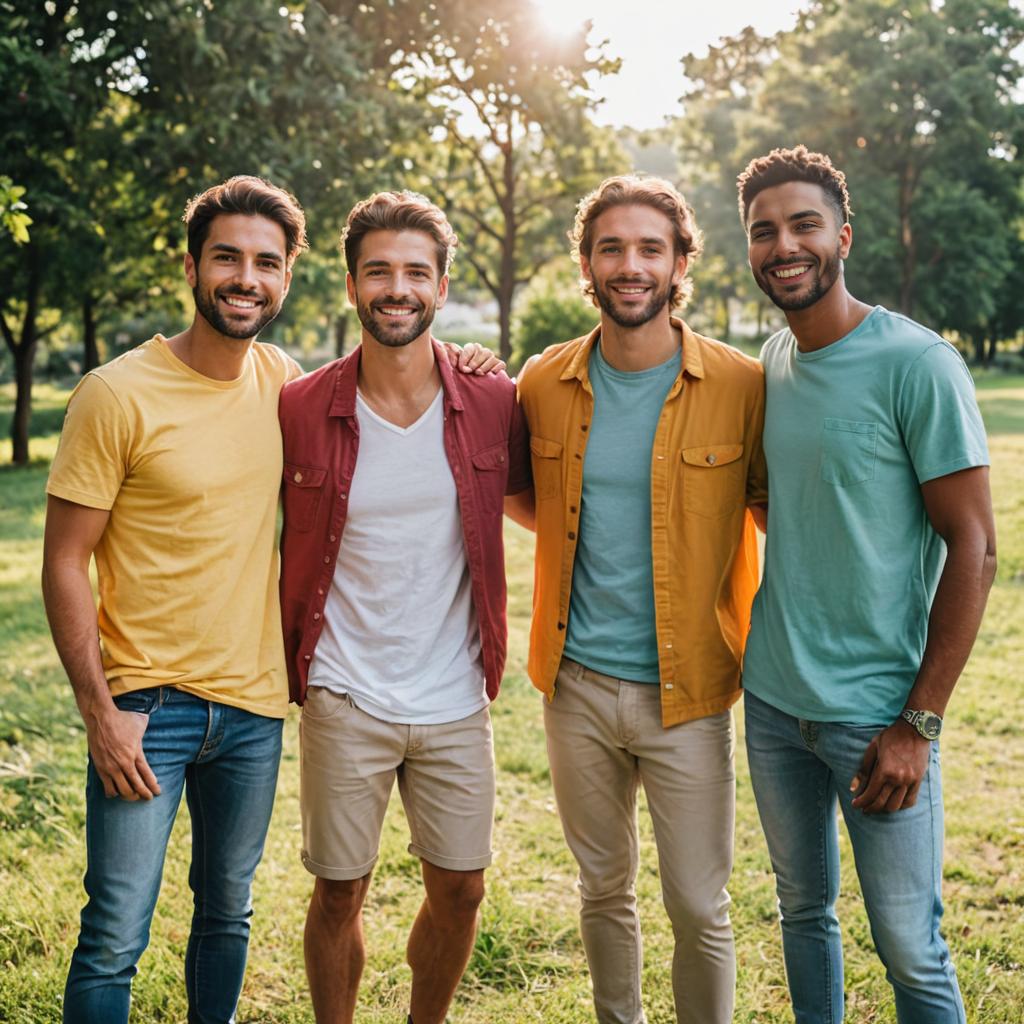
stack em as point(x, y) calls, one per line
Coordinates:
point(880, 555)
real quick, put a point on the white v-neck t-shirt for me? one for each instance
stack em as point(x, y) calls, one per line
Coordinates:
point(400, 633)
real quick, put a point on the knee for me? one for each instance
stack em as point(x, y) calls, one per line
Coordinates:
point(696, 913)
point(339, 901)
point(912, 957)
point(460, 894)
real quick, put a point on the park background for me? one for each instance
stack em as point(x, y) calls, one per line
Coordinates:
point(112, 114)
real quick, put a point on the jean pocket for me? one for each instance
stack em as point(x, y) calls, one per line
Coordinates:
point(142, 702)
point(848, 452)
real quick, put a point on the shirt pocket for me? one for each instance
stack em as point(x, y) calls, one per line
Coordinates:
point(848, 452)
point(303, 489)
point(490, 467)
point(546, 457)
point(714, 479)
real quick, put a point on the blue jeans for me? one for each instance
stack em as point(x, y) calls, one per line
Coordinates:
point(226, 760)
point(799, 770)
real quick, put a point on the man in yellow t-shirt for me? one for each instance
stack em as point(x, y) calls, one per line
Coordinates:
point(168, 472)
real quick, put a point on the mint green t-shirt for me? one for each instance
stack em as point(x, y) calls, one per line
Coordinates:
point(611, 626)
point(851, 564)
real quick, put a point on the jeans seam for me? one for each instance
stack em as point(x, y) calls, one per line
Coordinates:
point(201, 900)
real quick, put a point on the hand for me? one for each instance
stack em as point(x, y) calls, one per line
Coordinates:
point(474, 358)
point(891, 770)
point(115, 743)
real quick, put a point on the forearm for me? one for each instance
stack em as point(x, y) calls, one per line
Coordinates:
point(520, 508)
point(954, 621)
point(71, 611)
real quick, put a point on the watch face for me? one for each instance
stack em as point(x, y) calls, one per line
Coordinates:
point(931, 726)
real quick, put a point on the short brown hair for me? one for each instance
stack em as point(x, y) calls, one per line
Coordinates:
point(398, 211)
point(254, 197)
point(635, 190)
point(800, 164)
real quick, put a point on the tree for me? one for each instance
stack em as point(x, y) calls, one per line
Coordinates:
point(551, 309)
point(517, 147)
point(13, 218)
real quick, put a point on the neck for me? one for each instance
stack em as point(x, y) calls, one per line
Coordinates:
point(398, 383)
point(209, 352)
point(631, 349)
point(832, 317)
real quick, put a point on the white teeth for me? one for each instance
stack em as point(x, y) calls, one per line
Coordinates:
point(239, 303)
point(789, 272)
point(396, 310)
point(631, 291)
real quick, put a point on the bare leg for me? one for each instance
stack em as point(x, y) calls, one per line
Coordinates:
point(442, 939)
point(334, 948)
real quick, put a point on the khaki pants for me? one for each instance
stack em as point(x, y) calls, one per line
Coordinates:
point(604, 737)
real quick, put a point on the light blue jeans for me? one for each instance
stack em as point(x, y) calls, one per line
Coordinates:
point(800, 770)
point(226, 761)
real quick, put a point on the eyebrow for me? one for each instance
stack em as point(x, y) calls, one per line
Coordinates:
point(234, 250)
point(415, 264)
point(801, 215)
point(643, 241)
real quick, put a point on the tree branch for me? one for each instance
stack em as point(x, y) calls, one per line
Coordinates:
point(483, 275)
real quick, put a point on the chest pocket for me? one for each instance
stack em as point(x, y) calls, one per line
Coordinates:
point(546, 457)
point(848, 452)
point(714, 479)
point(491, 471)
point(303, 489)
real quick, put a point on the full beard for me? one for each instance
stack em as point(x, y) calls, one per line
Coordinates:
point(633, 317)
point(398, 335)
point(206, 303)
point(820, 287)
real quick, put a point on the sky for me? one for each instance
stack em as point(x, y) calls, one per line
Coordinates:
point(651, 36)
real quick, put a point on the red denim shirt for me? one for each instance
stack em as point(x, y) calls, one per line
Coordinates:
point(488, 450)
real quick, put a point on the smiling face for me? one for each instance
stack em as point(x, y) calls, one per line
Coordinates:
point(242, 276)
point(397, 286)
point(796, 244)
point(632, 264)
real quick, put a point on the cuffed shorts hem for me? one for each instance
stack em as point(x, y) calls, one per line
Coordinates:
point(452, 863)
point(336, 874)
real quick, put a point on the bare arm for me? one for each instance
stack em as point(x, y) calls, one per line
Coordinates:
point(959, 507)
point(760, 514)
point(520, 508)
point(114, 736)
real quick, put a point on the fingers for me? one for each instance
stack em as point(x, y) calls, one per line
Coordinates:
point(146, 775)
point(867, 764)
point(119, 759)
point(474, 358)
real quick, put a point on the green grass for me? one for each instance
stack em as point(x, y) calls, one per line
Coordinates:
point(528, 964)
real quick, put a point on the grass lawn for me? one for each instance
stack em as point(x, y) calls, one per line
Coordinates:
point(528, 964)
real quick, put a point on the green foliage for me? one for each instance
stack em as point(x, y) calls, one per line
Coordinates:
point(551, 310)
point(13, 218)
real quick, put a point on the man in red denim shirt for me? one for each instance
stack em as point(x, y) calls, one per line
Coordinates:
point(393, 603)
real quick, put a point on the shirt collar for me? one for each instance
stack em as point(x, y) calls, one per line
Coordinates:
point(693, 363)
point(347, 378)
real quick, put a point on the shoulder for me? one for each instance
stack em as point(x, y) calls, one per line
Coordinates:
point(486, 387)
point(551, 363)
point(726, 363)
point(314, 384)
point(274, 362)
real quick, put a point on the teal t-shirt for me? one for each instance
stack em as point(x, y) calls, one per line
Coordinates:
point(851, 564)
point(611, 626)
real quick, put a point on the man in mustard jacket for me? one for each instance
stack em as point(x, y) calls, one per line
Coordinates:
point(646, 451)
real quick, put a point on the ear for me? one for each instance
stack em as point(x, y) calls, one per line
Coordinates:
point(585, 268)
point(350, 288)
point(845, 240)
point(191, 275)
point(287, 282)
point(442, 292)
point(682, 262)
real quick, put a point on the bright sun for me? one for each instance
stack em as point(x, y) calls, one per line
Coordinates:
point(562, 17)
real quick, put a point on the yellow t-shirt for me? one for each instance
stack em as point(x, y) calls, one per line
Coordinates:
point(190, 470)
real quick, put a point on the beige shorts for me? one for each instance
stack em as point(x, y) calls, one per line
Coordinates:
point(349, 761)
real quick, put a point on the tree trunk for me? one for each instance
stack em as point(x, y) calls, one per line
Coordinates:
point(24, 358)
point(507, 271)
point(908, 179)
point(978, 341)
point(340, 332)
point(990, 356)
point(91, 354)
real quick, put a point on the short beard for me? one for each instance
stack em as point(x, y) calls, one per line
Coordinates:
point(394, 337)
point(822, 285)
point(635, 318)
point(206, 304)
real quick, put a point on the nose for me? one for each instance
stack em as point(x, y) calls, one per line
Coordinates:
point(786, 242)
point(247, 274)
point(630, 260)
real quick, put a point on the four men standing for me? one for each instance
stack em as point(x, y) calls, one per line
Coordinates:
point(646, 453)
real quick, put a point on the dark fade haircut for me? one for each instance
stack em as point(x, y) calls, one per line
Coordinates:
point(800, 164)
point(398, 211)
point(253, 197)
point(638, 190)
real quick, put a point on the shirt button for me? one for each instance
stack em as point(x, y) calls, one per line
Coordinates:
point(343, 495)
point(306, 657)
point(572, 508)
point(501, 458)
point(668, 645)
point(332, 536)
point(661, 457)
point(327, 559)
point(320, 592)
point(561, 625)
point(572, 536)
point(316, 615)
point(583, 426)
point(711, 460)
point(298, 477)
point(668, 686)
